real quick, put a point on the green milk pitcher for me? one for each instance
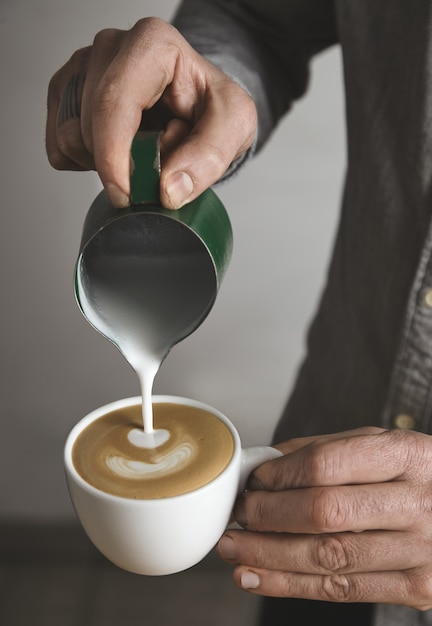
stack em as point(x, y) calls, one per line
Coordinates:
point(149, 274)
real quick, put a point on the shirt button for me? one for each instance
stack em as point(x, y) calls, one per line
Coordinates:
point(428, 298)
point(405, 422)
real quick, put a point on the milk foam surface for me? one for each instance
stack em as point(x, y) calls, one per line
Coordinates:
point(199, 448)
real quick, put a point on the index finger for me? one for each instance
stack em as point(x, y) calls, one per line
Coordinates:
point(358, 459)
point(133, 82)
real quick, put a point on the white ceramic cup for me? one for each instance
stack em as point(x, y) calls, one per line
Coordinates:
point(167, 535)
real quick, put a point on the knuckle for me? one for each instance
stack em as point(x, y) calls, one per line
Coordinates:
point(69, 138)
point(217, 160)
point(257, 511)
point(105, 37)
point(244, 117)
point(419, 454)
point(339, 588)
point(154, 33)
point(419, 586)
point(327, 513)
point(252, 116)
point(248, 123)
point(79, 58)
point(249, 111)
point(71, 148)
point(331, 554)
point(56, 159)
point(261, 511)
point(321, 465)
point(151, 24)
point(285, 584)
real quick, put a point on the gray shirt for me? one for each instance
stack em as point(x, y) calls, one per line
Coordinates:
point(369, 356)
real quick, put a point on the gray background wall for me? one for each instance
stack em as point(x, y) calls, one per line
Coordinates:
point(53, 367)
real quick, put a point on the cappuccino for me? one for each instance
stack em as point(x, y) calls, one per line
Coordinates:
point(196, 448)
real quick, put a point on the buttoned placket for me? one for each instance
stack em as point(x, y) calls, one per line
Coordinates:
point(409, 404)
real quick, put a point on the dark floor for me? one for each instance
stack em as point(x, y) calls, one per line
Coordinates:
point(52, 576)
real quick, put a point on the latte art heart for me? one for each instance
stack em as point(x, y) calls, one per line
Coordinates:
point(171, 462)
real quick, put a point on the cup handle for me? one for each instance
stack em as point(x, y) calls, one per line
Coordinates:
point(251, 458)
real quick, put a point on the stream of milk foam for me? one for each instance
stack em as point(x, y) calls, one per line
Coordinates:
point(143, 350)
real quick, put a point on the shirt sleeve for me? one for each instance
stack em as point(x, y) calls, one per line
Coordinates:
point(264, 45)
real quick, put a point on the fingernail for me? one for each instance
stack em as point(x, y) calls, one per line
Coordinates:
point(227, 548)
point(249, 580)
point(118, 197)
point(178, 188)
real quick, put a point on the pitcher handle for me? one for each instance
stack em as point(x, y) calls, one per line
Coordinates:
point(145, 168)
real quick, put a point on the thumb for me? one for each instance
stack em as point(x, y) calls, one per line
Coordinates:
point(201, 157)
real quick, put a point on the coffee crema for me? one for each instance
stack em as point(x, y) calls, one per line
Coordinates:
point(199, 448)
